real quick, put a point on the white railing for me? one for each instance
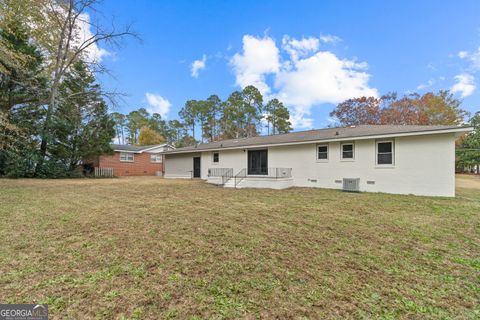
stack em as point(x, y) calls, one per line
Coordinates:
point(101, 172)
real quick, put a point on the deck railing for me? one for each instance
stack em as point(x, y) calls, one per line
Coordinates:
point(224, 173)
point(240, 176)
point(227, 176)
point(218, 172)
point(101, 172)
point(277, 173)
point(272, 173)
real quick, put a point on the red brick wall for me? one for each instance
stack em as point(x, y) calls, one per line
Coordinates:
point(141, 166)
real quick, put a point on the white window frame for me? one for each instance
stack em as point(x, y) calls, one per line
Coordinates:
point(127, 156)
point(393, 154)
point(157, 158)
point(213, 157)
point(353, 151)
point(328, 151)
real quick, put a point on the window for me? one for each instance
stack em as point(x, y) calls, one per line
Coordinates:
point(126, 156)
point(322, 152)
point(384, 152)
point(348, 151)
point(156, 158)
point(216, 157)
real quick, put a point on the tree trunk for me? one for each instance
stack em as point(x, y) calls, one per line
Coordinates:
point(62, 50)
point(274, 115)
point(45, 128)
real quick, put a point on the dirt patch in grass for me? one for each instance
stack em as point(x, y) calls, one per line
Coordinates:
point(148, 248)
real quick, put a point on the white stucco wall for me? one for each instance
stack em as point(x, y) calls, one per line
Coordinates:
point(236, 159)
point(423, 165)
point(179, 165)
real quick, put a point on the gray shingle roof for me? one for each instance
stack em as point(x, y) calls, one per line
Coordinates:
point(315, 135)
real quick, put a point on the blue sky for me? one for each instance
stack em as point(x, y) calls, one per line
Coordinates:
point(310, 54)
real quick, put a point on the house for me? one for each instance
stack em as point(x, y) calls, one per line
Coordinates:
point(402, 159)
point(128, 160)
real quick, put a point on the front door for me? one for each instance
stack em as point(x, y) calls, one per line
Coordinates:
point(257, 162)
point(196, 167)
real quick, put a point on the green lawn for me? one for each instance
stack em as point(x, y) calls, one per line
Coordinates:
point(148, 248)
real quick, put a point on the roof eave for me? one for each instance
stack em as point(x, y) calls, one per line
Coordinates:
point(459, 130)
point(126, 151)
point(146, 149)
point(158, 146)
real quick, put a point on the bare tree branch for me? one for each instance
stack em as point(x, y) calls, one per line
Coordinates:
point(68, 51)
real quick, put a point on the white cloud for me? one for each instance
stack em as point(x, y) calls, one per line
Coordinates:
point(305, 77)
point(299, 48)
point(260, 57)
point(158, 104)
point(465, 85)
point(321, 78)
point(429, 84)
point(82, 34)
point(473, 57)
point(93, 54)
point(198, 65)
point(462, 54)
point(330, 38)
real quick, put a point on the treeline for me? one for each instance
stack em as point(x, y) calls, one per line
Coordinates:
point(440, 108)
point(53, 112)
point(468, 148)
point(242, 114)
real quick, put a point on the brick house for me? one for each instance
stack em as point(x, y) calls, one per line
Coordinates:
point(129, 160)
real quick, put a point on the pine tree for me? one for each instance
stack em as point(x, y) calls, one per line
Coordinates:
point(278, 117)
point(468, 155)
point(135, 120)
point(83, 128)
point(22, 90)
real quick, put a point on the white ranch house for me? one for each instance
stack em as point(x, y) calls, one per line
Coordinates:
point(417, 160)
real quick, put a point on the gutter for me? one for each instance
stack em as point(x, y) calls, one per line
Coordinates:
point(366, 137)
point(146, 149)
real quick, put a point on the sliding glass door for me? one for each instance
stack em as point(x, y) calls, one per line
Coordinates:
point(258, 162)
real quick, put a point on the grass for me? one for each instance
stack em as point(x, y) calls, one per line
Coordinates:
point(147, 248)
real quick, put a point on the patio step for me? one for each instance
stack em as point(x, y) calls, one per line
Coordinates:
point(231, 184)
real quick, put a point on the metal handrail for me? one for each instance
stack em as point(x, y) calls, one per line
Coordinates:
point(224, 173)
point(227, 175)
point(272, 173)
point(240, 175)
point(218, 172)
point(279, 173)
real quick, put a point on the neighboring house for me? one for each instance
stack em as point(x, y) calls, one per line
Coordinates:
point(400, 159)
point(130, 160)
